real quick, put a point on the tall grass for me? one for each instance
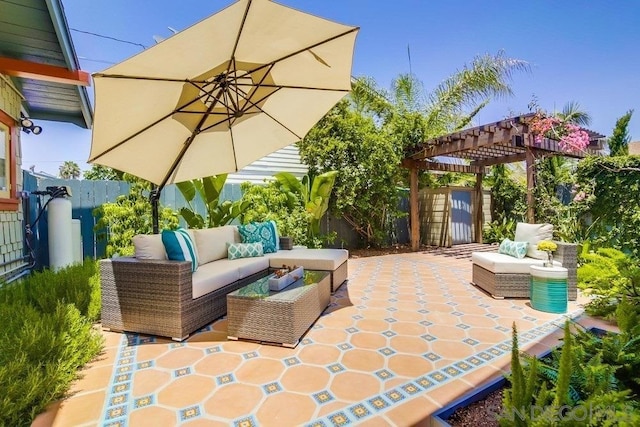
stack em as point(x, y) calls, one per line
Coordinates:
point(46, 336)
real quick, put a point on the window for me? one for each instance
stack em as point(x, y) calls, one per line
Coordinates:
point(4, 162)
point(8, 201)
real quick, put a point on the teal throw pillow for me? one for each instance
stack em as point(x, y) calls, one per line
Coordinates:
point(263, 232)
point(514, 249)
point(180, 247)
point(244, 250)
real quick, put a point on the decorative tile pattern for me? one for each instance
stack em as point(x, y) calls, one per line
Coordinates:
point(189, 413)
point(272, 388)
point(323, 397)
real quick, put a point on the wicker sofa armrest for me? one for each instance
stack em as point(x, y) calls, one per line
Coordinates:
point(138, 293)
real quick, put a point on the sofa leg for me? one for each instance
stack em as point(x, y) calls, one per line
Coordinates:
point(180, 339)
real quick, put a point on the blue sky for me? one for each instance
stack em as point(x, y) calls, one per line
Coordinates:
point(583, 51)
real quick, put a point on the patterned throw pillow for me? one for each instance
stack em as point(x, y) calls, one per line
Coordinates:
point(514, 249)
point(263, 232)
point(244, 250)
point(180, 247)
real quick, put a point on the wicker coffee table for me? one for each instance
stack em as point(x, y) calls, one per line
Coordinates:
point(256, 313)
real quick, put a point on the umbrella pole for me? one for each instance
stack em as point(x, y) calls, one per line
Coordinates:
point(154, 196)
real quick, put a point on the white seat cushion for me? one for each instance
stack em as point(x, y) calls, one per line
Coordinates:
point(310, 259)
point(212, 276)
point(500, 263)
point(249, 266)
point(211, 243)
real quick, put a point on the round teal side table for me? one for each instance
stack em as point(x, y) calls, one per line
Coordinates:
point(549, 289)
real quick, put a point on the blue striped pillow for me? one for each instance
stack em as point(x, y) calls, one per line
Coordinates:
point(180, 247)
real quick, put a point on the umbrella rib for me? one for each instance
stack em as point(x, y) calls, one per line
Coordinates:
point(244, 20)
point(305, 49)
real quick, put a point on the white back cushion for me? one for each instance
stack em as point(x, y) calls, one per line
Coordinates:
point(534, 233)
point(211, 243)
point(149, 246)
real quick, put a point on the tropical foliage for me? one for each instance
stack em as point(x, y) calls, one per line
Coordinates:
point(366, 137)
point(103, 173)
point(208, 191)
point(129, 215)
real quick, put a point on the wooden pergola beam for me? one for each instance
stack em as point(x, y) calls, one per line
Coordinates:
point(441, 167)
point(501, 160)
point(468, 143)
point(50, 73)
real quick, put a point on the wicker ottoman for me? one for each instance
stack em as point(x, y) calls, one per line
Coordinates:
point(255, 313)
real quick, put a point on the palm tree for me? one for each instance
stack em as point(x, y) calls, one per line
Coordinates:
point(571, 113)
point(69, 170)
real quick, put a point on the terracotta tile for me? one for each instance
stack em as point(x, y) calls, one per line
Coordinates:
point(395, 382)
point(363, 360)
point(179, 358)
point(259, 371)
point(376, 421)
point(220, 325)
point(415, 412)
point(151, 351)
point(186, 391)
point(283, 409)
point(276, 352)
point(240, 346)
point(201, 422)
point(405, 344)
point(452, 349)
point(488, 336)
point(447, 331)
point(106, 357)
point(477, 321)
point(327, 336)
point(407, 315)
point(234, 400)
point(337, 321)
point(449, 392)
point(368, 340)
point(47, 418)
point(111, 339)
point(148, 381)
point(354, 386)
point(408, 306)
point(408, 328)
point(305, 379)
point(409, 365)
point(153, 416)
point(82, 409)
point(484, 374)
point(319, 354)
point(375, 313)
point(218, 363)
point(372, 325)
point(92, 379)
point(329, 408)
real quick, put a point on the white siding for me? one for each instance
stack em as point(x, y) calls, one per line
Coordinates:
point(284, 160)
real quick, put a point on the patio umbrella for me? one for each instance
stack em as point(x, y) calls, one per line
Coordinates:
point(241, 84)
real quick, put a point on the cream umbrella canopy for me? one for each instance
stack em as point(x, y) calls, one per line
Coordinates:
point(241, 84)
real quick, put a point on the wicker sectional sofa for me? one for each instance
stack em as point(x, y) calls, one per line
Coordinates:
point(150, 294)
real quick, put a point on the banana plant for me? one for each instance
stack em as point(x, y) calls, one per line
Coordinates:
point(314, 195)
point(208, 190)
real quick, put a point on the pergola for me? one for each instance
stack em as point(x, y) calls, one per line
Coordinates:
point(506, 141)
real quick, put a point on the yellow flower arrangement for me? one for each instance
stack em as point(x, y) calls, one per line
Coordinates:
point(547, 246)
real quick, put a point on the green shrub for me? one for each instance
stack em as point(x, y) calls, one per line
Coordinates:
point(47, 335)
point(497, 231)
point(77, 284)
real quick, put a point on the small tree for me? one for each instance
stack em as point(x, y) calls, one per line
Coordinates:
point(619, 141)
point(103, 173)
point(69, 170)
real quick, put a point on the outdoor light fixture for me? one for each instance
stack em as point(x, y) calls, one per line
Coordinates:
point(28, 126)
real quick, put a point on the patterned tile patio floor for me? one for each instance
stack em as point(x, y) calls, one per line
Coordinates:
point(405, 336)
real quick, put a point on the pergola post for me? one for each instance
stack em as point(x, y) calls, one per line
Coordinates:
point(479, 217)
point(530, 166)
point(413, 204)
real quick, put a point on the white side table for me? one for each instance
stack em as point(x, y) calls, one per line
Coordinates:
point(548, 291)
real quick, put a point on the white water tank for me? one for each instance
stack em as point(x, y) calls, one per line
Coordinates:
point(60, 233)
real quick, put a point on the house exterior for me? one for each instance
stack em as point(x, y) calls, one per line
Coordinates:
point(40, 79)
